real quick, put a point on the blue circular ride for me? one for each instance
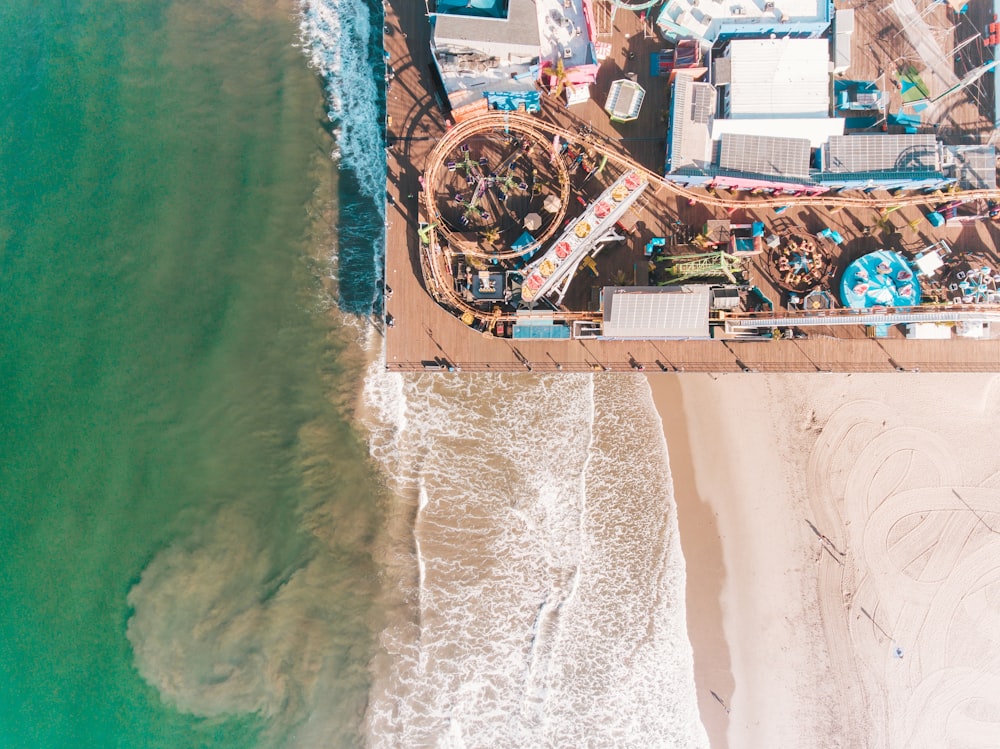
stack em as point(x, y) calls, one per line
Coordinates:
point(879, 279)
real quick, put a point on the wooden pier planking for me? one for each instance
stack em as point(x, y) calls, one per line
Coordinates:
point(423, 331)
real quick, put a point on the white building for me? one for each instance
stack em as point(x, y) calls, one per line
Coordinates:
point(665, 312)
point(711, 20)
point(774, 78)
point(488, 55)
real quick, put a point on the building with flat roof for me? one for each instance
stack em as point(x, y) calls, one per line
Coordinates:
point(650, 312)
point(816, 131)
point(843, 39)
point(689, 139)
point(498, 49)
point(765, 155)
point(476, 8)
point(889, 161)
point(739, 154)
point(492, 53)
point(766, 78)
point(765, 124)
point(899, 153)
point(512, 37)
point(806, 155)
point(712, 20)
point(973, 167)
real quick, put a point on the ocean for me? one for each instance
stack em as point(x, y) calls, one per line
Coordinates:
point(539, 556)
point(222, 526)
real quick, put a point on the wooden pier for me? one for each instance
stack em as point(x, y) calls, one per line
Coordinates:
point(424, 336)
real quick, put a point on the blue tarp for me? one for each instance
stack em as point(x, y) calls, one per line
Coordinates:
point(859, 123)
point(482, 8)
point(540, 329)
point(522, 241)
point(511, 101)
point(909, 122)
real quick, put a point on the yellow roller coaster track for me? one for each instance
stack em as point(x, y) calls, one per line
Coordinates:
point(435, 260)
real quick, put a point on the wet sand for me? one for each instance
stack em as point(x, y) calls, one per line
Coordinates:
point(706, 570)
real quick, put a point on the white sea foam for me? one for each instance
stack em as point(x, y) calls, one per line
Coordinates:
point(539, 573)
point(336, 36)
point(549, 606)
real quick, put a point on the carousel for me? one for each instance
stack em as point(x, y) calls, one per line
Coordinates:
point(498, 196)
point(799, 263)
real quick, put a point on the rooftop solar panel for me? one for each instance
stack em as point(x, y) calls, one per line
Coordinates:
point(976, 167)
point(703, 104)
point(653, 313)
point(765, 154)
point(867, 153)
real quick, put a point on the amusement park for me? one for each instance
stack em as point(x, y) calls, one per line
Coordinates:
point(615, 170)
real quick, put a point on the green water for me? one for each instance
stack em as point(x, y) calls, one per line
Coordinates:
point(179, 496)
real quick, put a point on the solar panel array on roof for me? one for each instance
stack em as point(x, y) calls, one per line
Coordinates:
point(975, 167)
point(702, 104)
point(765, 154)
point(656, 313)
point(877, 153)
point(689, 137)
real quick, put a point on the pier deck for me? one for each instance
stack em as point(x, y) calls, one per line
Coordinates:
point(424, 333)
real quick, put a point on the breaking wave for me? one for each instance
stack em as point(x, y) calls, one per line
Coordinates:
point(343, 41)
point(545, 589)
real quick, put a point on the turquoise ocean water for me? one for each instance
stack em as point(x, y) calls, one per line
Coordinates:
point(188, 517)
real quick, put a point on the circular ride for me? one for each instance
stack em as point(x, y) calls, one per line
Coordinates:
point(879, 279)
point(497, 194)
point(970, 282)
point(800, 262)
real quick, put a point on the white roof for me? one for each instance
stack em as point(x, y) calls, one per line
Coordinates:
point(928, 330)
point(843, 25)
point(784, 77)
point(657, 312)
point(816, 131)
point(517, 31)
point(929, 263)
point(692, 107)
point(707, 18)
point(560, 29)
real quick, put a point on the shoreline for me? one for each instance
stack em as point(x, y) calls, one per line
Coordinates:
point(753, 588)
point(705, 571)
point(745, 460)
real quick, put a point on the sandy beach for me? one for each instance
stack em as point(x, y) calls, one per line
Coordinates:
point(841, 535)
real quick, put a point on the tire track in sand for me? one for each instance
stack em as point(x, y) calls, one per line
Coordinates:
point(922, 574)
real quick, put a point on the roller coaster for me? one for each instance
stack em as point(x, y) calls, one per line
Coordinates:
point(439, 242)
